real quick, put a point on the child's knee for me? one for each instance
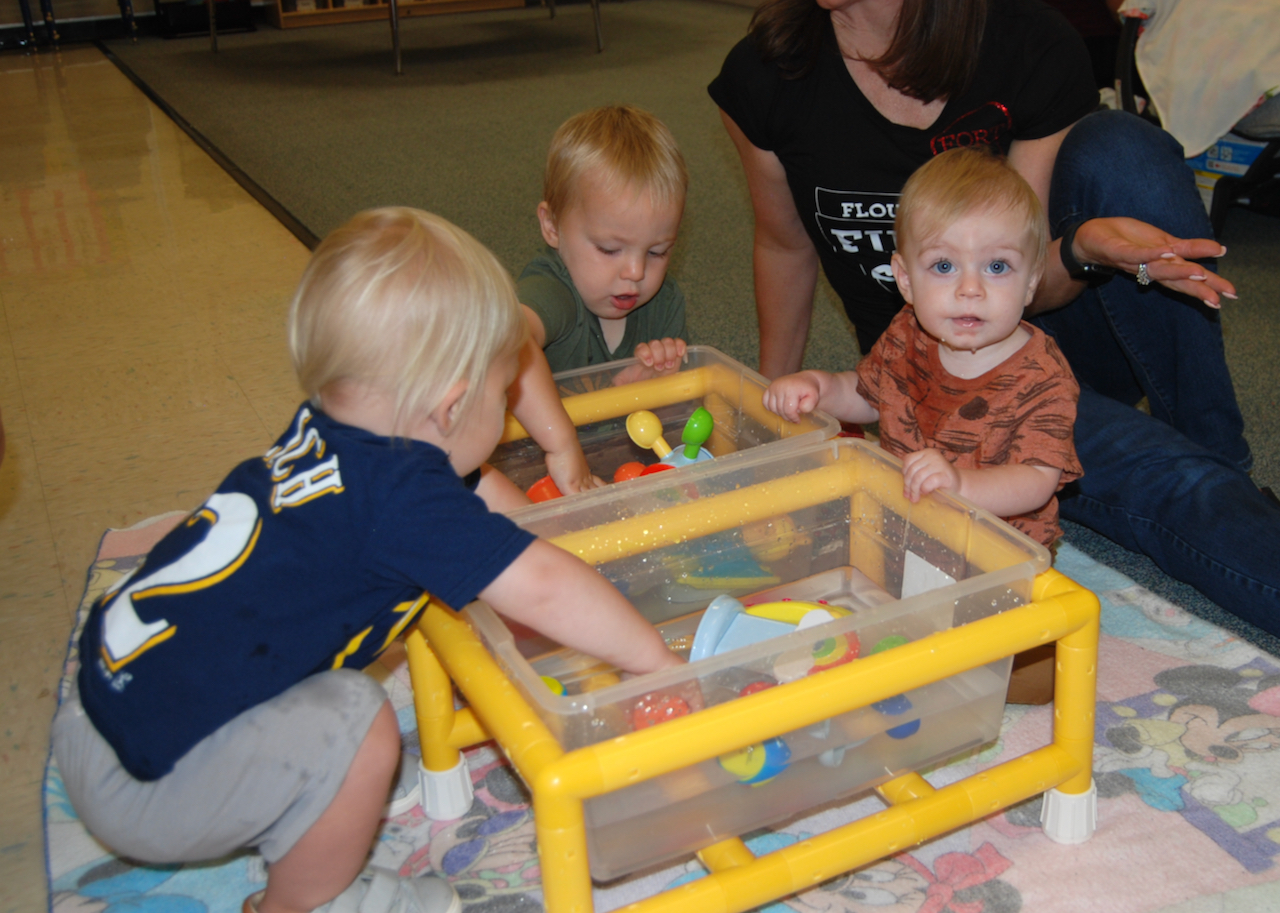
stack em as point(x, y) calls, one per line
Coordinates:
point(383, 740)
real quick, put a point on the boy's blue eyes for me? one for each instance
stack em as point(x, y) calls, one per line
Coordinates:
point(995, 267)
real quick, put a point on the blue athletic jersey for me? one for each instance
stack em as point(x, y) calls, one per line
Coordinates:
point(312, 557)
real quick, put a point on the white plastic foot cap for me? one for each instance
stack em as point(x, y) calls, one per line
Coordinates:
point(1068, 818)
point(446, 794)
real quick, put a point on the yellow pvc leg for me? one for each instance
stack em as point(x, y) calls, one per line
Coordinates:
point(562, 850)
point(432, 704)
point(1075, 680)
point(726, 854)
point(444, 777)
point(1069, 813)
point(904, 789)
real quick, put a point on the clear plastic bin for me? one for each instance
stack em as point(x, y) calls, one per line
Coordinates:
point(600, 398)
point(822, 522)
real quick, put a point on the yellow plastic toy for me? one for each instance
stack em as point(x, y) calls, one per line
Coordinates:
point(791, 611)
point(646, 430)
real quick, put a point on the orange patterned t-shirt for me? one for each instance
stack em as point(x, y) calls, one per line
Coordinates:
point(1021, 411)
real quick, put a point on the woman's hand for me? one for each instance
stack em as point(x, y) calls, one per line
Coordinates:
point(1126, 244)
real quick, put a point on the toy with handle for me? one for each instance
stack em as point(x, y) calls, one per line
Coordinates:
point(696, 432)
point(645, 429)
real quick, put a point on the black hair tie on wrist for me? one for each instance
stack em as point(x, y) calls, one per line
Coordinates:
point(1092, 273)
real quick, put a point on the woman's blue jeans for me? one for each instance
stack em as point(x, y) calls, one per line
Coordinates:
point(1172, 485)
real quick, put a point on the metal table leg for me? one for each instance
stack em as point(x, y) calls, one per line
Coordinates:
point(395, 35)
point(28, 24)
point(50, 24)
point(126, 13)
point(213, 26)
point(595, 13)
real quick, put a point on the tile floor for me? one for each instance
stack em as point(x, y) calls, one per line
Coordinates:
point(142, 354)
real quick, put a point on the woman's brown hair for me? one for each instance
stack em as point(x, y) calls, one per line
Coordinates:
point(933, 54)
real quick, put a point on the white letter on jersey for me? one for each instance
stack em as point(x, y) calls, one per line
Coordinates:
point(233, 532)
point(303, 440)
point(320, 479)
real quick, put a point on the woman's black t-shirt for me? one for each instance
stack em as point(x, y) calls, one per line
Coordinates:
point(846, 163)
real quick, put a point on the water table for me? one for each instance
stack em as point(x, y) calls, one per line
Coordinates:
point(933, 600)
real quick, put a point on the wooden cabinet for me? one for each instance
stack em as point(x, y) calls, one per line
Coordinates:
point(287, 14)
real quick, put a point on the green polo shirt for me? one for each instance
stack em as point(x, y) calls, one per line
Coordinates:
point(574, 336)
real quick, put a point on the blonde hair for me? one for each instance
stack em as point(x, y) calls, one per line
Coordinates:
point(404, 300)
point(621, 145)
point(961, 181)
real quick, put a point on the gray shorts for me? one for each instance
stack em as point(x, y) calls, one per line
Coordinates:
point(261, 780)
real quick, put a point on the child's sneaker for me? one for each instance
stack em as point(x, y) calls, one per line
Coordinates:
point(383, 891)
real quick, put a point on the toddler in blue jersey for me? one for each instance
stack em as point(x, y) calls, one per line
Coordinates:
point(218, 704)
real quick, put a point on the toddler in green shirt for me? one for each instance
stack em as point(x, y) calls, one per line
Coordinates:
point(613, 198)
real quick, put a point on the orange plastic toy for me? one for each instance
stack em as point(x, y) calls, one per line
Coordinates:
point(543, 490)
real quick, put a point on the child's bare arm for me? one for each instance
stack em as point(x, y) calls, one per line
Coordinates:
point(799, 394)
point(535, 401)
point(1006, 491)
point(561, 596)
point(498, 492)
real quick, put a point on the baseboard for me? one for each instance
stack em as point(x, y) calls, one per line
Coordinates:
point(13, 36)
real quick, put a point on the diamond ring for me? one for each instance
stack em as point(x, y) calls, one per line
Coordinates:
point(1144, 278)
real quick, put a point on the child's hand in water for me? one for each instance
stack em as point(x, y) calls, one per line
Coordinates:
point(925, 471)
point(569, 470)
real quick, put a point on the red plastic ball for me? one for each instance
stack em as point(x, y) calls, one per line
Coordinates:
point(653, 709)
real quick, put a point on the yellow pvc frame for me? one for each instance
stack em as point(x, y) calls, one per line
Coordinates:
point(697, 383)
point(443, 649)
